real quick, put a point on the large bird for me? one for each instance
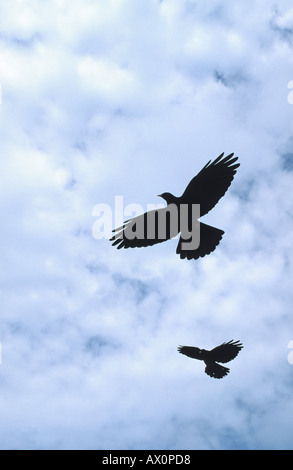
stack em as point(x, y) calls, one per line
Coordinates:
point(226, 352)
point(196, 238)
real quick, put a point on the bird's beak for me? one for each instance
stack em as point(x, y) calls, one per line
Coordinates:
point(159, 195)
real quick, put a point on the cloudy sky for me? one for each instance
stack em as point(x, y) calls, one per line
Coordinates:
point(131, 98)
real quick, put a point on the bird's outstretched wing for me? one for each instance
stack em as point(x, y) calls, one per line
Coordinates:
point(147, 229)
point(211, 183)
point(216, 371)
point(189, 351)
point(226, 352)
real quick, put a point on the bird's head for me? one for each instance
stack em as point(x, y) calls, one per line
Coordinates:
point(169, 198)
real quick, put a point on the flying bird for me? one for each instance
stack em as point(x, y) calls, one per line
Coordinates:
point(180, 216)
point(224, 353)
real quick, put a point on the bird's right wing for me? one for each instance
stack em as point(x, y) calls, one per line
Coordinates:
point(147, 229)
point(211, 183)
point(189, 351)
point(226, 352)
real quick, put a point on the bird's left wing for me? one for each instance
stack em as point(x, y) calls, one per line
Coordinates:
point(226, 352)
point(211, 183)
point(189, 351)
point(147, 229)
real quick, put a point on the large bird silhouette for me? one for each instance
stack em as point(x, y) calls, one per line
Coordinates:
point(196, 238)
point(224, 353)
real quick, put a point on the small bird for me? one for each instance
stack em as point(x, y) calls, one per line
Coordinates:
point(196, 238)
point(226, 352)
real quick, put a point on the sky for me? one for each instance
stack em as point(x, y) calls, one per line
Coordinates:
point(131, 98)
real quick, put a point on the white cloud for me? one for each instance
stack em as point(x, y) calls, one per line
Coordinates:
point(106, 79)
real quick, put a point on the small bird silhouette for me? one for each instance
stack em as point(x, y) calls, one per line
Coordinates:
point(226, 352)
point(159, 225)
